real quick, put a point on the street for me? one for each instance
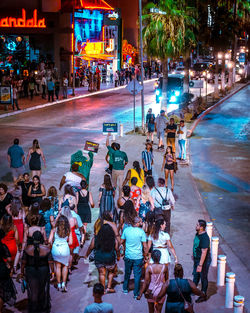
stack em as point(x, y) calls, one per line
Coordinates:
point(220, 152)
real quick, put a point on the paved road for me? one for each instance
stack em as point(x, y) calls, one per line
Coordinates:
point(220, 164)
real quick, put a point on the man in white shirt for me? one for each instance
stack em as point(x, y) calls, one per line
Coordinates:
point(65, 87)
point(182, 131)
point(164, 200)
point(44, 83)
point(160, 125)
point(98, 306)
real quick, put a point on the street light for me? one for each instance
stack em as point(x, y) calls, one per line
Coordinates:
point(142, 69)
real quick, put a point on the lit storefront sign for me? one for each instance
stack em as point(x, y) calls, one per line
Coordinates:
point(95, 4)
point(113, 16)
point(93, 48)
point(23, 22)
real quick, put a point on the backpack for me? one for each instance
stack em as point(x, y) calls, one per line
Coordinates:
point(165, 204)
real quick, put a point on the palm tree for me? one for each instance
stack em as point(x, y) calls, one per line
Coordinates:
point(166, 34)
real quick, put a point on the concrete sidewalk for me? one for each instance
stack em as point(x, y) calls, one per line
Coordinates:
point(189, 208)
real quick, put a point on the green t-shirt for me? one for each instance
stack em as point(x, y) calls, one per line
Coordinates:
point(119, 158)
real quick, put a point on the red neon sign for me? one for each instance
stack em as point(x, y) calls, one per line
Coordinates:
point(23, 22)
point(95, 4)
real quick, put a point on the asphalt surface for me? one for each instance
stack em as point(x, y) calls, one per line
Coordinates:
point(220, 152)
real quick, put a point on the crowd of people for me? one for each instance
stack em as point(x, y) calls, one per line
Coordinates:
point(43, 235)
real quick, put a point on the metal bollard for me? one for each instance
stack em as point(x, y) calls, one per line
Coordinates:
point(121, 130)
point(222, 259)
point(214, 251)
point(230, 280)
point(238, 304)
point(209, 230)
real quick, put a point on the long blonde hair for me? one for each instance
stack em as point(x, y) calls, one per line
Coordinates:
point(145, 192)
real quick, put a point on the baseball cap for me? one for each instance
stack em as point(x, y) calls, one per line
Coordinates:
point(162, 111)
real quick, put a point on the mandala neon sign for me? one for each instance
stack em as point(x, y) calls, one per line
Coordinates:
point(23, 22)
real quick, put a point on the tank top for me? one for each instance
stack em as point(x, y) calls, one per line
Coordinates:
point(82, 199)
point(169, 159)
point(140, 179)
point(34, 192)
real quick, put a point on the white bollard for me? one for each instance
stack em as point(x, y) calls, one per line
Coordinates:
point(238, 304)
point(113, 137)
point(222, 259)
point(230, 280)
point(209, 230)
point(214, 250)
point(121, 130)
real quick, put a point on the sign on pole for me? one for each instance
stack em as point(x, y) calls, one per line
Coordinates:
point(91, 146)
point(110, 128)
point(134, 87)
point(196, 84)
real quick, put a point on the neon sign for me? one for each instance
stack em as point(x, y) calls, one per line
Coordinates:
point(95, 4)
point(23, 22)
point(93, 48)
point(113, 16)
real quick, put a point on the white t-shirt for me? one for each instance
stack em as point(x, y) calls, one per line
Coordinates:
point(65, 82)
point(157, 197)
point(72, 179)
point(134, 237)
point(103, 307)
point(184, 135)
point(161, 241)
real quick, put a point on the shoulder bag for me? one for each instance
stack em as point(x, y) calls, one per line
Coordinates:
point(188, 307)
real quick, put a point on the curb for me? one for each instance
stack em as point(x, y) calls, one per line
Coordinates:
point(200, 118)
point(48, 104)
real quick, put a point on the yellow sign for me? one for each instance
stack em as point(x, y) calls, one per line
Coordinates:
point(93, 48)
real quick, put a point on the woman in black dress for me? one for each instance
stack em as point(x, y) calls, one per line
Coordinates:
point(36, 191)
point(85, 200)
point(7, 288)
point(36, 264)
point(5, 199)
point(34, 155)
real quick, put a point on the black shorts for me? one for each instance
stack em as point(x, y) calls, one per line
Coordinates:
point(148, 173)
point(169, 167)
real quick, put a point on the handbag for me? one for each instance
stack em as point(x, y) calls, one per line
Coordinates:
point(165, 205)
point(188, 307)
point(175, 167)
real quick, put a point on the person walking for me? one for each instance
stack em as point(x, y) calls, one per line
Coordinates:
point(106, 249)
point(106, 198)
point(32, 87)
point(182, 131)
point(156, 275)
point(161, 241)
point(136, 172)
point(84, 202)
point(148, 159)
point(36, 264)
point(201, 258)
point(150, 125)
point(5, 199)
point(24, 182)
point(98, 305)
point(51, 87)
point(160, 125)
point(36, 191)
point(171, 131)
point(57, 89)
point(34, 155)
point(60, 238)
point(163, 202)
point(134, 239)
point(65, 87)
point(44, 84)
point(168, 166)
point(16, 159)
point(145, 203)
point(120, 160)
point(178, 290)
point(15, 97)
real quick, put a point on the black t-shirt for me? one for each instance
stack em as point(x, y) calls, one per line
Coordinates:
point(201, 242)
point(25, 188)
point(150, 118)
point(171, 127)
point(4, 203)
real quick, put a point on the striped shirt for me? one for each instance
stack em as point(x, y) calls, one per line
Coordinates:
point(147, 157)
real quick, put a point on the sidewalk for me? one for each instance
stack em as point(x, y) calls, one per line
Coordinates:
point(188, 209)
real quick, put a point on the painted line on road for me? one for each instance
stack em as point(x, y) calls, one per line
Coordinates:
point(48, 104)
point(200, 118)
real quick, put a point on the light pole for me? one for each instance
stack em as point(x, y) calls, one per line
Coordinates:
point(142, 68)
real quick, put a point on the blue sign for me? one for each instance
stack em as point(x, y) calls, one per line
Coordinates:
point(110, 128)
